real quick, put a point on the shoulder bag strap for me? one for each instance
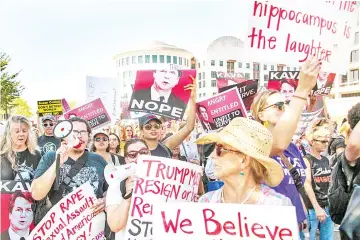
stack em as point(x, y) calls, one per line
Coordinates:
point(182, 144)
point(294, 174)
point(23, 182)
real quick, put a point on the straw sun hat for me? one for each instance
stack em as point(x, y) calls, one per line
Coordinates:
point(252, 139)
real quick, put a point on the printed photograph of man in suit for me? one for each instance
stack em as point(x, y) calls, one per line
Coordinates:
point(161, 90)
point(20, 216)
point(204, 119)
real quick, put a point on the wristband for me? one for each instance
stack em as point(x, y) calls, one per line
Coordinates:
point(302, 98)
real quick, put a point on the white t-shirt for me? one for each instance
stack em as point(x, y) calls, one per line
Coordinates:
point(114, 197)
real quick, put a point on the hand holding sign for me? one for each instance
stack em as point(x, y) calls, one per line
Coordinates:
point(193, 88)
point(308, 74)
point(99, 206)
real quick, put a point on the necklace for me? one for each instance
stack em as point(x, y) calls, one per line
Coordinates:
point(246, 199)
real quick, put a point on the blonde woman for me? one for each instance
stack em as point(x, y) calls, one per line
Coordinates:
point(242, 162)
point(18, 150)
point(281, 120)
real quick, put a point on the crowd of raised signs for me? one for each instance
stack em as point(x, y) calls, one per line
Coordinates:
point(254, 160)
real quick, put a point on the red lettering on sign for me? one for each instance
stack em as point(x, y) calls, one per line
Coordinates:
point(71, 200)
point(174, 226)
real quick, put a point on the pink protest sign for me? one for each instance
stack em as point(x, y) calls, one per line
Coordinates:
point(65, 105)
point(94, 112)
point(217, 111)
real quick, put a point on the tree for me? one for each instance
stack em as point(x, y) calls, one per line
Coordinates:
point(11, 88)
point(21, 107)
point(72, 104)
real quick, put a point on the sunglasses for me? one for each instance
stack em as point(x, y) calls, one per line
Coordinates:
point(98, 139)
point(321, 141)
point(279, 105)
point(219, 150)
point(156, 126)
point(134, 154)
point(48, 124)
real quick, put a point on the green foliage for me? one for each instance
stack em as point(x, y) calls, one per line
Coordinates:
point(10, 87)
point(21, 107)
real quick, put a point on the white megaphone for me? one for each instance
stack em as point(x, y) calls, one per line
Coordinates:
point(63, 130)
point(116, 174)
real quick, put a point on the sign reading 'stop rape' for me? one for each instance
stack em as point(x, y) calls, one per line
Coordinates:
point(159, 180)
point(217, 111)
point(162, 92)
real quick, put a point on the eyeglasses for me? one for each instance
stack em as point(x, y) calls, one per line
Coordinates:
point(157, 126)
point(219, 149)
point(134, 154)
point(98, 139)
point(279, 105)
point(82, 133)
point(48, 124)
point(321, 141)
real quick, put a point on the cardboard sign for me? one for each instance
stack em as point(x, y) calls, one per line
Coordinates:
point(306, 121)
point(289, 32)
point(16, 212)
point(162, 92)
point(217, 111)
point(286, 83)
point(159, 180)
point(107, 90)
point(94, 112)
point(225, 79)
point(247, 91)
point(72, 218)
point(53, 107)
point(224, 221)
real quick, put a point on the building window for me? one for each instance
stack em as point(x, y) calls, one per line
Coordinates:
point(123, 74)
point(203, 76)
point(199, 76)
point(247, 76)
point(265, 67)
point(186, 62)
point(147, 58)
point(266, 77)
point(204, 83)
point(354, 75)
point(140, 59)
point(221, 63)
point(230, 66)
point(354, 57)
point(199, 84)
point(213, 83)
point(204, 94)
point(123, 61)
point(214, 93)
point(288, 69)
point(203, 63)
point(198, 65)
point(154, 58)
point(247, 65)
point(357, 38)
point(133, 60)
point(162, 58)
point(174, 60)
point(212, 62)
point(180, 60)
point(239, 64)
point(127, 60)
point(213, 74)
point(294, 68)
point(199, 95)
point(168, 59)
point(272, 67)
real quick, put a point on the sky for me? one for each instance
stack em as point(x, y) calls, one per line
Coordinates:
point(57, 44)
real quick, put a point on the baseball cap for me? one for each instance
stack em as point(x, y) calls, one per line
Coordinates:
point(48, 117)
point(101, 132)
point(147, 118)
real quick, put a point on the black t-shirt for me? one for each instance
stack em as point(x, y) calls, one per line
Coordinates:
point(26, 165)
point(321, 178)
point(161, 151)
point(48, 144)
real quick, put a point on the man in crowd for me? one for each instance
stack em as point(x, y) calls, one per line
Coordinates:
point(205, 120)
point(151, 127)
point(89, 167)
point(47, 142)
point(20, 216)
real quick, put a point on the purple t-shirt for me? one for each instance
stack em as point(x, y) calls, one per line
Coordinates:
point(287, 186)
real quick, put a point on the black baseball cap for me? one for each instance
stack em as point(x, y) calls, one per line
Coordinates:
point(48, 117)
point(147, 118)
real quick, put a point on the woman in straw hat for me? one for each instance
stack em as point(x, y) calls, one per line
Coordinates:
point(269, 109)
point(242, 161)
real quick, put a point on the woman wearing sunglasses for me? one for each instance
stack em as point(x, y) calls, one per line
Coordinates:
point(117, 201)
point(269, 109)
point(318, 176)
point(101, 146)
point(242, 162)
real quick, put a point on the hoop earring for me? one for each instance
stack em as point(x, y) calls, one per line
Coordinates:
point(266, 124)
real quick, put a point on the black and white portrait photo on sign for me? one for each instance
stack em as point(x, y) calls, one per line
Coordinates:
point(162, 92)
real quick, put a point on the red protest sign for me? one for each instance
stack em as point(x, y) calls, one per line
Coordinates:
point(94, 112)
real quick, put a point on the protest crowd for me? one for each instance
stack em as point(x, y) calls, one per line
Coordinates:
point(249, 162)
